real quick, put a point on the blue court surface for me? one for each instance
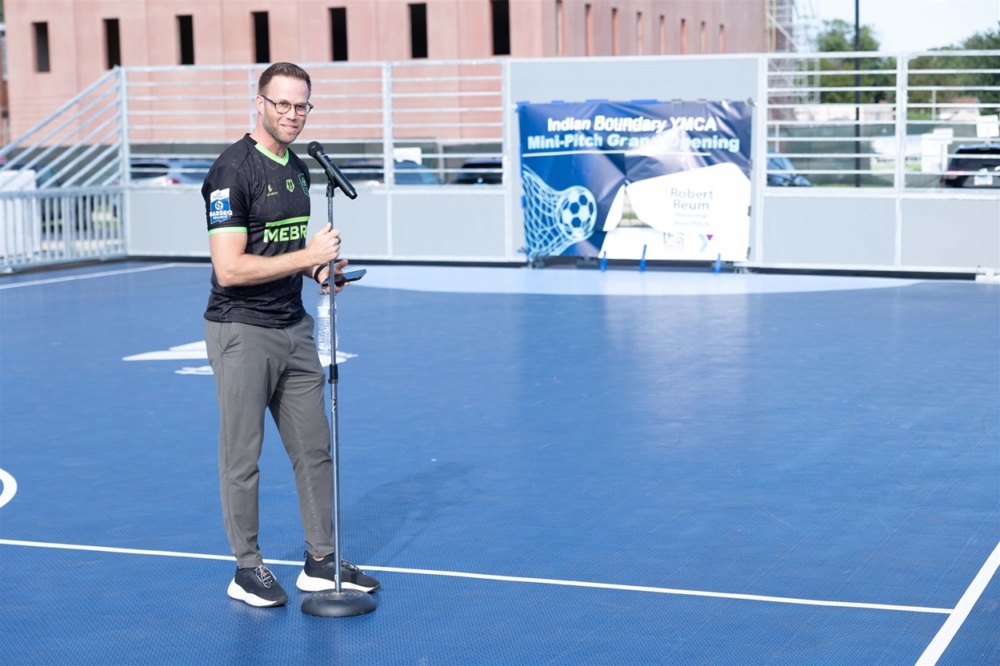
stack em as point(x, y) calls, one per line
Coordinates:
point(558, 466)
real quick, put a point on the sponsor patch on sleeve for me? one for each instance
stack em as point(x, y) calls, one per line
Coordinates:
point(218, 206)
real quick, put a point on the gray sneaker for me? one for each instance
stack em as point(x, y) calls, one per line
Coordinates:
point(257, 587)
point(322, 575)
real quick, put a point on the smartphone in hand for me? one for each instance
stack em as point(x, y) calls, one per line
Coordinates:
point(349, 276)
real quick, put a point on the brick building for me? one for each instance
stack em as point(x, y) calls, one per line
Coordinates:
point(55, 48)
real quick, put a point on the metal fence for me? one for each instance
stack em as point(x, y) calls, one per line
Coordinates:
point(60, 193)
point(430, 116)
point(876, 122)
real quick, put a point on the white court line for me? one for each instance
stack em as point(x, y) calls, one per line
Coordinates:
point(9, 484)
point(958, 616)
point(510, 579)
point(87, 276)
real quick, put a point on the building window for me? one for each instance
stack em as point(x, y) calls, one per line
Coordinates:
point(684, 36)
point(3, 59)
point(615, 46)
point(663, 34)
point(639, 37)
point(261, 38)
point(501, 27)
point(338, 33)
point(112, 43)
point(588, 12)
point(704, 37)
point(41, 46)
point(418, 30)
point(560, 29)
point(722, 38)
point(185, 39)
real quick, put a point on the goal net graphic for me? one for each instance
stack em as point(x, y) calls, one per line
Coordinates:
point(555, 220)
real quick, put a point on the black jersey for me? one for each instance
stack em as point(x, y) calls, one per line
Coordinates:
point(251, 190)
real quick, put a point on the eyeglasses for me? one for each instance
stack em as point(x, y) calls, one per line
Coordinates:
point(283, 107)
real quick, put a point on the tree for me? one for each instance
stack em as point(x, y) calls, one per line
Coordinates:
point(984, 41)
point(973, 81)
point(837, 37)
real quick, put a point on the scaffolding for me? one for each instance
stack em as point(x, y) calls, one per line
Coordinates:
point(791, 26)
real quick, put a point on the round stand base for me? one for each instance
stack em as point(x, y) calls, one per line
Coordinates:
point(345, 603)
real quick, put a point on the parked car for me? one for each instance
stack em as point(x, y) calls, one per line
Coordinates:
point(405, 172)
point(788, 177)
point(973, 165)
point(44, 175)
point(481, 171)
point(169, 171)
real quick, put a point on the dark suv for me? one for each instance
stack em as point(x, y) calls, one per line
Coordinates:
point(481, 171)
point(974, 165)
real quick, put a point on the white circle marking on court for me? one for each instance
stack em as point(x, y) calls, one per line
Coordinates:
point(616, 282)
point(9, 487)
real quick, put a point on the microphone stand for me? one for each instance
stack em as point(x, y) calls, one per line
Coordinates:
point(336, 602)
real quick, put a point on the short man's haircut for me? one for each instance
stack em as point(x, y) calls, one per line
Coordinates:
point(288, 69)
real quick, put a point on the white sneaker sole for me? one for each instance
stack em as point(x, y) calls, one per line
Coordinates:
point(238, 593)
point(311, 584)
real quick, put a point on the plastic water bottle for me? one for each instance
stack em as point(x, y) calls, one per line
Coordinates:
point(323, 328)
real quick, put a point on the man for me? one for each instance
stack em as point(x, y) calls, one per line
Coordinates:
point(260, 338)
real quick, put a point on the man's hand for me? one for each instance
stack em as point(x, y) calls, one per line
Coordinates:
point(235, 267)
point(324, 274)
point(325, 245)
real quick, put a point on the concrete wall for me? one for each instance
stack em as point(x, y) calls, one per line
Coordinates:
point(407, 224)
point(869, 229)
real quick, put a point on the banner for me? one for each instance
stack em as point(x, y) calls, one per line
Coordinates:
point(659, 180)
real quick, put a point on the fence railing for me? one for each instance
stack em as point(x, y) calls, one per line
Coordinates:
point(876, 120)
point(896, 122)
point(430, 116)
point(60, 194)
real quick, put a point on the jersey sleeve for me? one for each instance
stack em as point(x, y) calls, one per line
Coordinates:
point(226, 194)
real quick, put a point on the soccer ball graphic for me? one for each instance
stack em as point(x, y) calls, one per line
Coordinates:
point(576, 212)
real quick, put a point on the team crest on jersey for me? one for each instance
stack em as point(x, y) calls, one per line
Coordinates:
point(303, 183)
point(218, 206)
point(290, 185)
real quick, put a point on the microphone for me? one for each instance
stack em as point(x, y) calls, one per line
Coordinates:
point(332, 172)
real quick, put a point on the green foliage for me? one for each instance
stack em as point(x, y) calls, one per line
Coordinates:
point(984, 41)
point(969, 83)
point(838, 36)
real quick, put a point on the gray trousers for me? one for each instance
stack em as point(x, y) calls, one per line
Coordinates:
point(258, 369)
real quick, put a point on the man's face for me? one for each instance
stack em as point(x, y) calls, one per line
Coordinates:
point(283, 127)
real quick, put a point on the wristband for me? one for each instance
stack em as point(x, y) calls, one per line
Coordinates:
point(317, 272)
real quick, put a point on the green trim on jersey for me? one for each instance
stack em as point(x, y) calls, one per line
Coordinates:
point(267, 153)
point(226, 230)
point(291, 220)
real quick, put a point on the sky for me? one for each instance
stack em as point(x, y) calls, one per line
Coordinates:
point(914, 25)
